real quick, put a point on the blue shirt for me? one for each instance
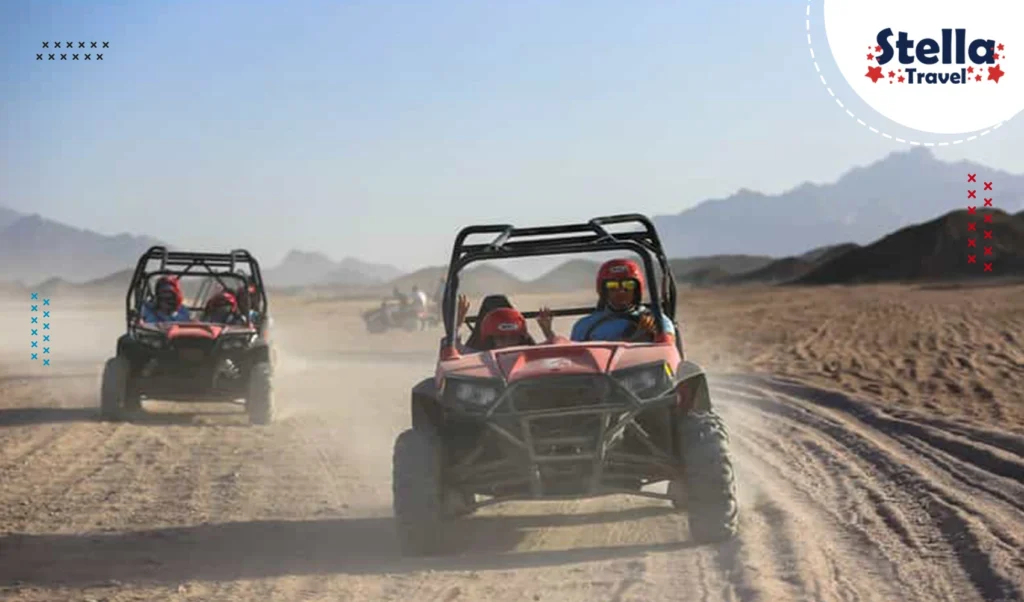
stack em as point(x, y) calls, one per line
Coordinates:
point(614, 326)
point(150, 314)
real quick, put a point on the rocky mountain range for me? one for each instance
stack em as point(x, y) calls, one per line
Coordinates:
point(717, 240)
point(864, 204)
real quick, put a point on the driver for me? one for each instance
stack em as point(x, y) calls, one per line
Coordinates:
point(166, 305)
point(620, 316)
point(222, 308)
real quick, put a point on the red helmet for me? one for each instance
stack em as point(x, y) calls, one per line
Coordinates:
point(170, 282)
point(220, 299)
point(503, 321)
point(621, 269)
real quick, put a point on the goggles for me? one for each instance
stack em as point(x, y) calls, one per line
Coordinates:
point(614, 285)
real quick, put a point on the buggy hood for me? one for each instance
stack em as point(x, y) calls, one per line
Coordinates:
point(517, 363)
point(202, 330)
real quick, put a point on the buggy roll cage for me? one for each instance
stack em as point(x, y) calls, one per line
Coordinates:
point(185, 261)
point(589, 237)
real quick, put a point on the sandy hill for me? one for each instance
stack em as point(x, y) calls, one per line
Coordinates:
point(790, 268)
point(934, 250)
point(573, 275)
point(707, 265)
point(706, 276)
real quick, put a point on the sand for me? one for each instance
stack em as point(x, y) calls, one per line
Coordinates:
point(878, 435)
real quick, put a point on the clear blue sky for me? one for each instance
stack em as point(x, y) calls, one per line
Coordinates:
point(377, 129)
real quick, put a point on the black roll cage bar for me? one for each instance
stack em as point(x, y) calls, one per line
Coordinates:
point(589, 237)
point(186, 260)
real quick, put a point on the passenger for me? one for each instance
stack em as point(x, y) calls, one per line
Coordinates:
point(222, 308)
point(167, 303)
point(501, 326)
point(620, 316)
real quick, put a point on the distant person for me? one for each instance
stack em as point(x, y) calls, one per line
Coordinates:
point(620, 315)
point(167, 303)
point(400, 296)
point(419, 301)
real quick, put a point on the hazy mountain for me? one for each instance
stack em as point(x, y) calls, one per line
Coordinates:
point(34, 249)
point(304, 269)
point(864, 204)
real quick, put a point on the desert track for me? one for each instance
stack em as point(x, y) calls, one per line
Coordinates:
point(842, 496)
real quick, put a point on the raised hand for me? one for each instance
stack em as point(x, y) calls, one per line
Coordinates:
point(463, 310)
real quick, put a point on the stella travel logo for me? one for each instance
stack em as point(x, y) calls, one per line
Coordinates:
point(937, 71)
point(929, 61)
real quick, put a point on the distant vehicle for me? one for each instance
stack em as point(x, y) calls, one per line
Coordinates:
point(561, 420)
point(392, 314)
point(194, 360)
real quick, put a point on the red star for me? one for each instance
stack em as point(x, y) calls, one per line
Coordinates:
point(977, 78)
point(875, 73)
point(971, 177)
point(891, 74)
point(988, 219)
point(879, 48)
point(900, 79)
point(1000, 47)
point(995, 56)
point(972, 259)
point(988, 202)
point(971, 242)
point(988, 185)
point(988, 267)
point(971, 194)
point(871, 57)
point(994, 73)
point(988, 250)
point(970, 69)
point(988, 234)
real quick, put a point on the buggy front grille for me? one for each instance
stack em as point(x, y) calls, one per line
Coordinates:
point(562, 416)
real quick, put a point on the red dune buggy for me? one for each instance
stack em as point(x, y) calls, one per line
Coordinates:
point(194, 360)
point(562, 421)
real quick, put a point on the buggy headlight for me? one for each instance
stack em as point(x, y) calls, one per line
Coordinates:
point(472, 393)
point(237, 342)
point(155, 341)
point(646, 381)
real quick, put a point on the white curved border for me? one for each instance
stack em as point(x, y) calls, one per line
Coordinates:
point(860, 121)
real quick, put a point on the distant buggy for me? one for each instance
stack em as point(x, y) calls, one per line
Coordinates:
point(194, 360)
point(561, 420)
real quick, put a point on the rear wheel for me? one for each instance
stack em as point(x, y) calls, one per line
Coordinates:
point(114, 388)
point(259, 403)
point(418, 492)
point(709, 481)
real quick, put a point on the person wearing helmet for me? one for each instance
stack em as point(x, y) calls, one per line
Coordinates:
point(502, 327)
point(167, 303)
point(245, 295)
point(222, 308)
point(620, 316)
point(419, 304)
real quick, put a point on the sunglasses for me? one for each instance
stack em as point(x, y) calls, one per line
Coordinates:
point(614, 285)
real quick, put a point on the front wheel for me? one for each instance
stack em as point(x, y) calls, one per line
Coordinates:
point(417, 492)
point(259, 403)
point(708, 478)
point(114, 388)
